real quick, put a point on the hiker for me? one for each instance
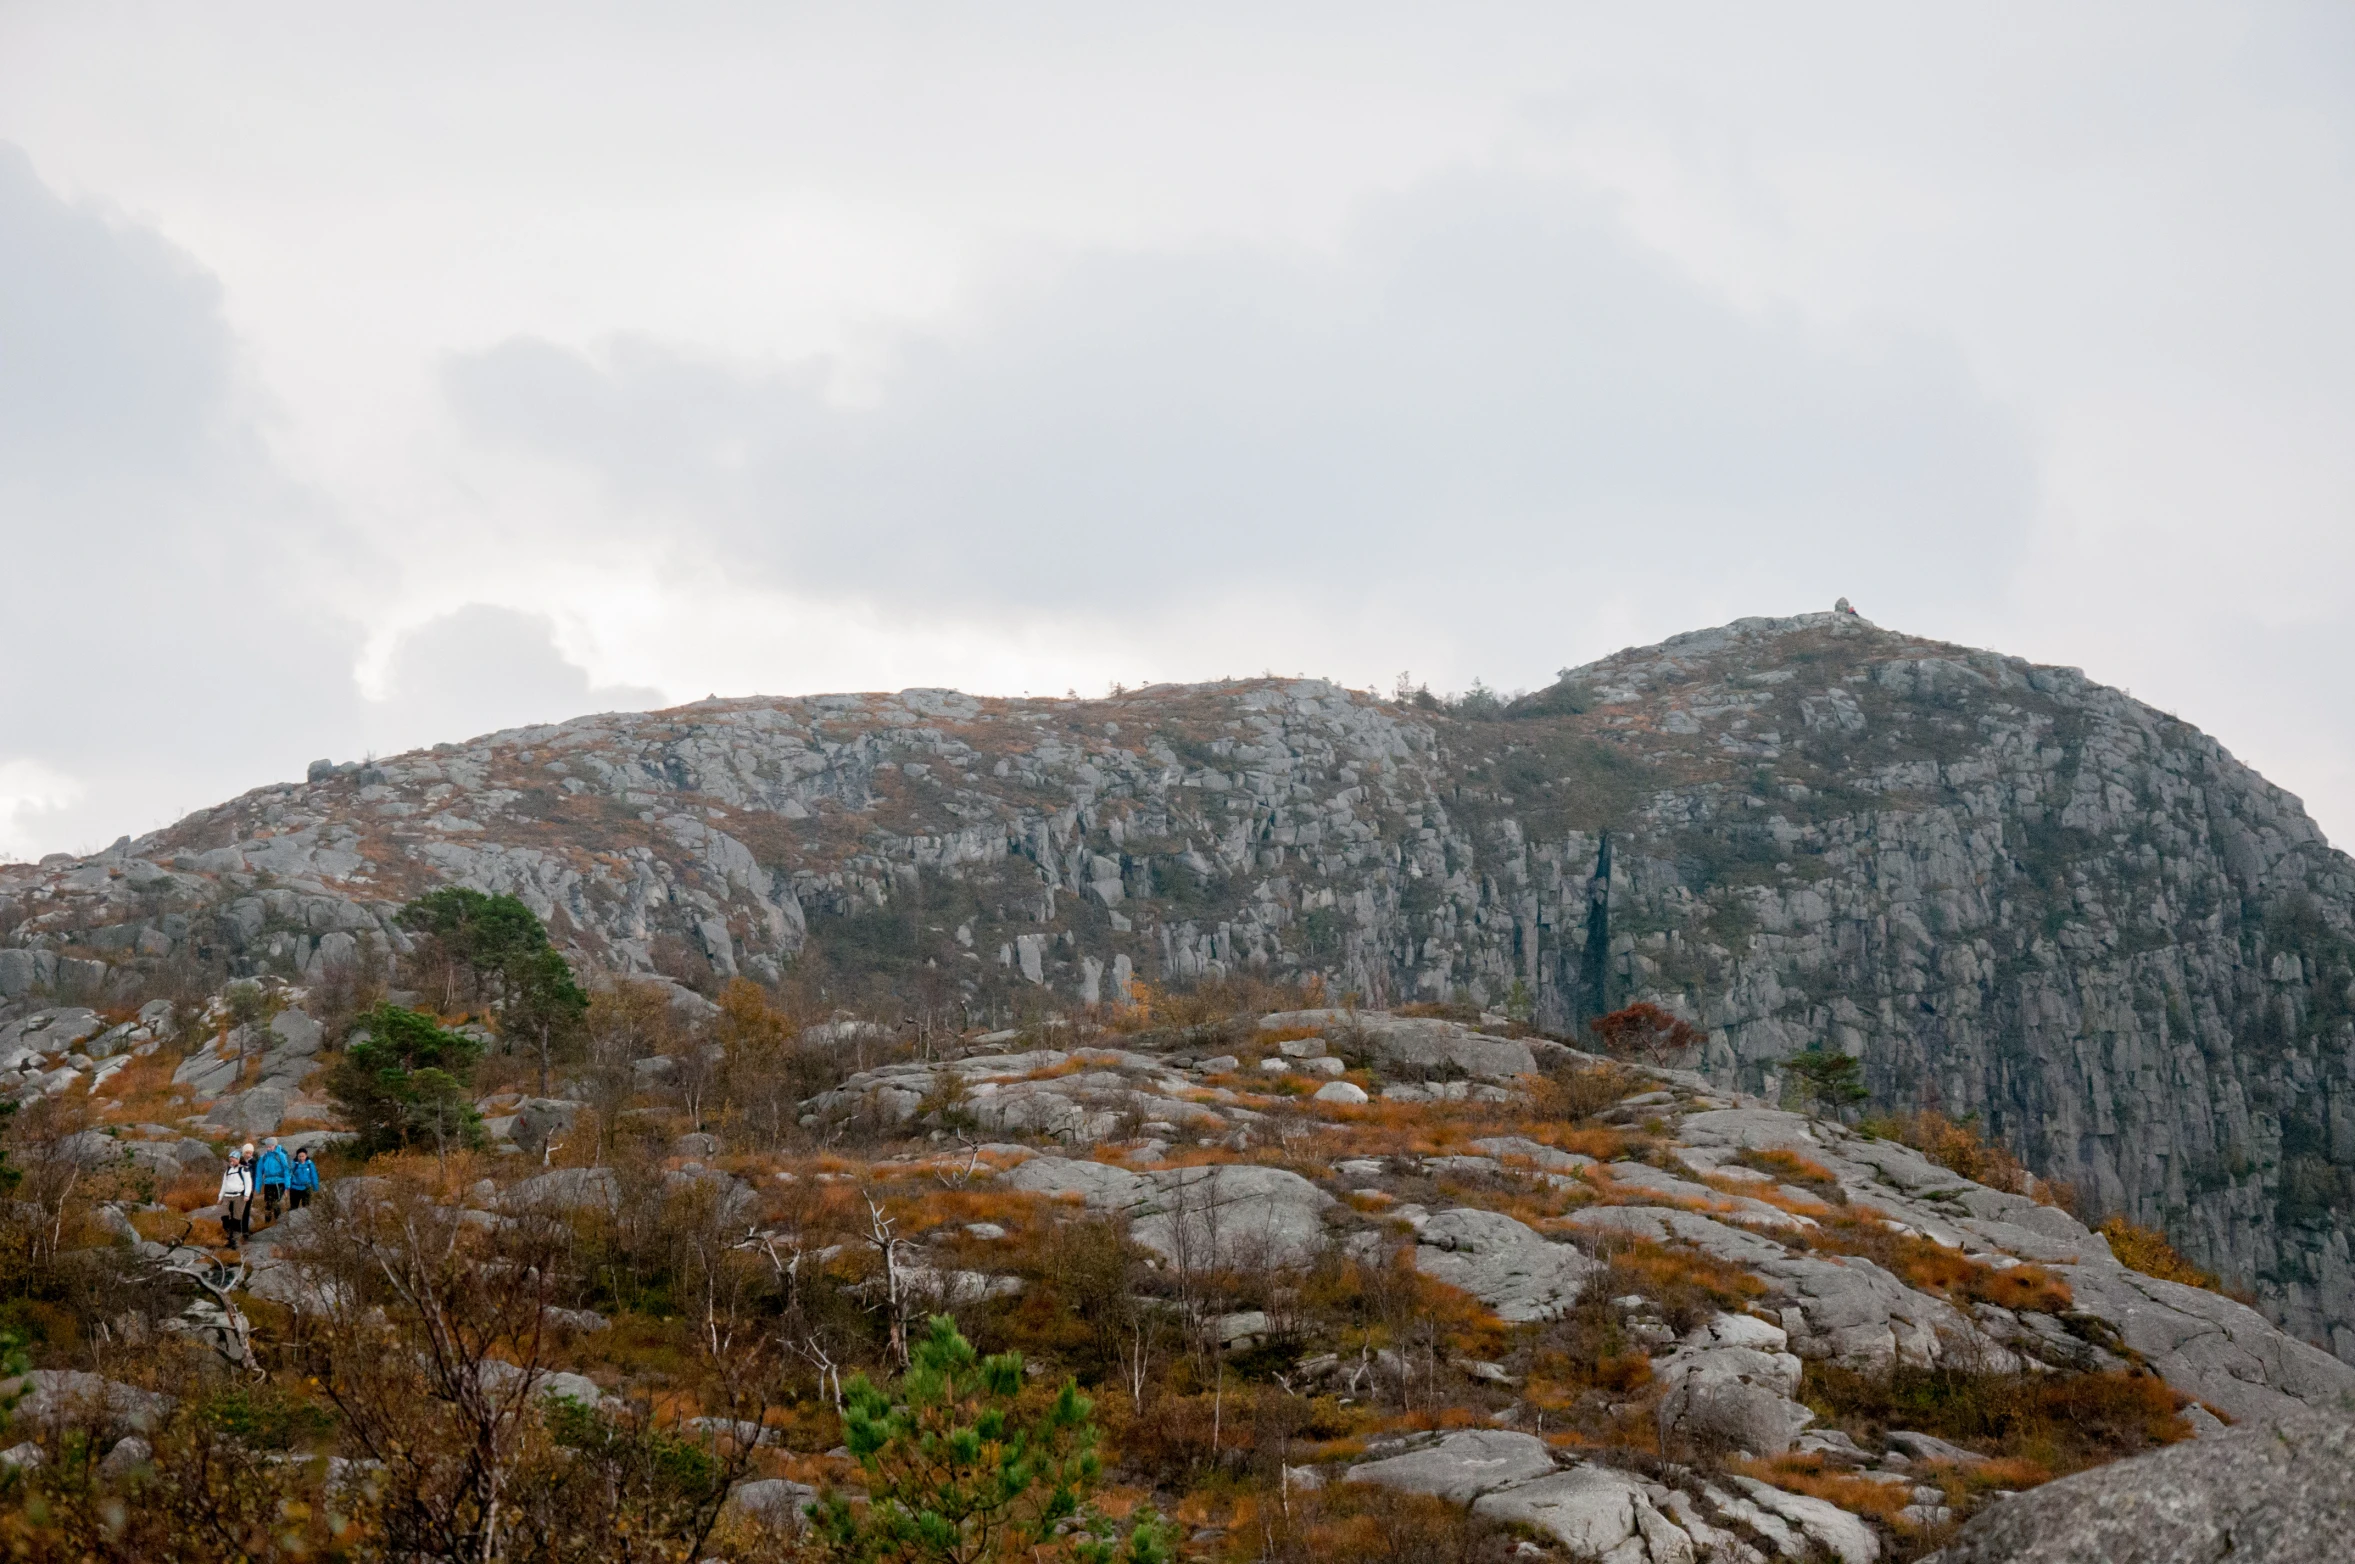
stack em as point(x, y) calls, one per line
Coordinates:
point(302, 1180)
point(271, 1173)
point(236, 1199)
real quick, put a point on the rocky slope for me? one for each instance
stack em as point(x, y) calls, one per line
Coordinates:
point(1669, 1309)
point(2012, 891)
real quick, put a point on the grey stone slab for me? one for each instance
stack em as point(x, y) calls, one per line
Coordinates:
point(1503, 1262)
point(1462, 1466)
point(2282, 1493)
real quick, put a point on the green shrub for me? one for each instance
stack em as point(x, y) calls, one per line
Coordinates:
point(405, 1082)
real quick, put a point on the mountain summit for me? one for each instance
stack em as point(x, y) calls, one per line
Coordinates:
point(2011, 891)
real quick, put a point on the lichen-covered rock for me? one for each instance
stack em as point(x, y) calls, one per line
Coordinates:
point(1502, 1262)
point(2279, 1493)
point(772, 1502)
point(2212, 1347)
point(1100, 1185)
point(1730, 1385)
point(1410, 1044)
point(66, 1397)
point(248, 1115)
point(1823, 1524)
point(541, 1119)
point(1462, 1466)
point(567, 1189)
point(1233, 1215)
point(1596, 1512)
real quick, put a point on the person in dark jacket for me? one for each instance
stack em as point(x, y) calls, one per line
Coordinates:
point(302, 1180)
point(270, 1172)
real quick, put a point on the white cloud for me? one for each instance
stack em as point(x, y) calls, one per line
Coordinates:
point(480, 669)
point(28, 791)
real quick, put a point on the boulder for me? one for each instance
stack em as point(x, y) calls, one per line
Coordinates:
point(1831, 1529)
point(249, 1115)
point(1668, 1224)
point(111, 1220)
point(207, 1074)
point(1729, 1399)
point(1851, 1312)
point(1730, 1385)
point(113, 1041)
point(51, 1396)
point(296, 1034)
point(1416, 1045)
point(771, 1502)
point(170, 1160)
point(1929, 1448)
point(128, 1455)
point(572, 1387)
point(1510, 1150)
point(65, 1029)
point(1101, 1185)
point(92, 1150)
point(567, 1189)
point(1229, 1215)
point(540, 1119)
point(23, 970)
point(731, 1198)
point(2283, 1493)
point(1462, 1466)
point(497, 1376)
point(1597, 1513)
point(1502, 1262)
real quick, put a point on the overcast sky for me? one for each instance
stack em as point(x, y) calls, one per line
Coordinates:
point(371, 376)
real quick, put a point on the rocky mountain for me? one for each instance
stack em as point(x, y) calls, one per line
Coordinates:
point(2013, 892)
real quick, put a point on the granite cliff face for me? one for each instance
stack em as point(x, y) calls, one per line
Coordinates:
point(2012, 891)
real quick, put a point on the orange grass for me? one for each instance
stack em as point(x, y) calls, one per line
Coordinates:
point(446, 1178)
point(1423, 1129)
point(1792, 1168)
point(1809, 1475)
point(1775, 1195)
point(2146, 1249)
point(1665, 1269)
point(1933, 1268)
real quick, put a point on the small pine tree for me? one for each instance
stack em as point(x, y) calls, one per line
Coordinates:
point(496, 950)
point(404, 1082)
point(963, 1468)
point(1828, 1080)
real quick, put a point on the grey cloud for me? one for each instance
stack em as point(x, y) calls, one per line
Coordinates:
point(114, 359)
point(1490, 386)
point(483, 668)
point(166, 638)
point(160, 644)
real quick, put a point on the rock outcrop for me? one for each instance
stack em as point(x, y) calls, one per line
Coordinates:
point(2282, 1493)
point(2010, 890)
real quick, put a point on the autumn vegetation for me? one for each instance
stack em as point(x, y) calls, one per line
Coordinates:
point(579, 1353)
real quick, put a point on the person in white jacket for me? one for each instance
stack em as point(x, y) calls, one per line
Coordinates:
point(236, 1199)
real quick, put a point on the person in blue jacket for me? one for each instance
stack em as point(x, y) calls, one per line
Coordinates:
point(271, 1173)
point(302, 1180)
